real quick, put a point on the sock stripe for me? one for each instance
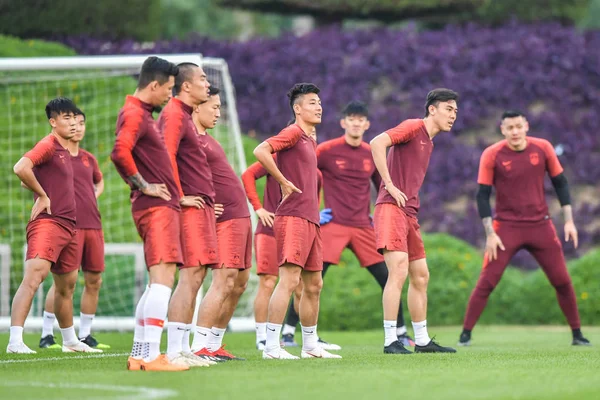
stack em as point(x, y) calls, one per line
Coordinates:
point(154, 322)
point(140, 322)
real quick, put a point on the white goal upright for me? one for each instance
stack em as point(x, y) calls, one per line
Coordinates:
point(98, 85)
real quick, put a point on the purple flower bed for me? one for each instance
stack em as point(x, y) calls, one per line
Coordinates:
point(549, 71)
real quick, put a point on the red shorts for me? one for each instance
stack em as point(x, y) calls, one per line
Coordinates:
point(199, 237)
point(159, 229)
point(299, 242)
point(396, 231)
point(90, 243)
point(234, 237)
point(52, 241)
point(265, 248)
point(361, 241)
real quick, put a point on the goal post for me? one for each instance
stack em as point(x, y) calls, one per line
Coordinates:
point(98, 85)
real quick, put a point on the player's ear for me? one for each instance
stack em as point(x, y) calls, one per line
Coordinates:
point(154, 85)
point(367, 125)
point(343, 123)
point(52, 122)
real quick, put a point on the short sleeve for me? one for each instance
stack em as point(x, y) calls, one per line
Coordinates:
point(286, 138)
point(96, 173)
point(404, 132)
point(486, 167)
point(552, 164)
point(42, 152)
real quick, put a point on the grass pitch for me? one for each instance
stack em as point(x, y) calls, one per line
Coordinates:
point(503, 363)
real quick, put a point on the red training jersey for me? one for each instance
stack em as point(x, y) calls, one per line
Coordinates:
point(228, 188)
point(347, 174)
point(297, 161)
point(86, 174)
point(53, 169)
point(139, 147)
point(271, 196)
point(190, 165)
point(518, 177)
point(407, 162)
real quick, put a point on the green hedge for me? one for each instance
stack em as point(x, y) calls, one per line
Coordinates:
point(15, 47)
point(351, 298)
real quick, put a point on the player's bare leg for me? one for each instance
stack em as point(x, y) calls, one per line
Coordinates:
point(266, 285)
point(36, 270)
point(292, 319)
point(89, 305)
point(181, 313)
point(397, 264)
point(47, 340)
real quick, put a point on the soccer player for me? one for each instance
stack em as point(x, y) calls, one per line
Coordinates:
point(297, 232)
point(194, 185)
point(51, 236)
point(348, 169)
point(516, 167)
point(234, 239)
point(89, 185)
point(396, 228)
point(141, 157)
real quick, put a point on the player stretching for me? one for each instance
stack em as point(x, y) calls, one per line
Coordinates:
point(347, 167)
point(516, 167)
point(89, 185)
point(51, 236)
point(140, 156)
point(396, 227)
point(198, 233)
point(234, 238)
point(299, 244)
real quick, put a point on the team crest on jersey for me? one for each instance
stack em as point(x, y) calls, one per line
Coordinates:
point(367, 164)
point(212, 254)
point(236, 259)
point(341, 164)
point(534, 158)
point(86, 161)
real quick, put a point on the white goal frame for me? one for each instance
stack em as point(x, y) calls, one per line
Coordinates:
point(34, 321)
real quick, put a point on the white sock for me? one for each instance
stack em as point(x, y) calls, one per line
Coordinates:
point(85, 325)
point(155, 312)
point(421, 335)
point(288, 330)
point(16, 335)
point(310, 339)
point(273, 333)
point(389, 329)
point(215, 340)
point(175, 334)
point(401, 330)
point(138, 333)
point(185, 342)
point(69, 336)
point(201, 336)
point(261, 331)
point(48, 324)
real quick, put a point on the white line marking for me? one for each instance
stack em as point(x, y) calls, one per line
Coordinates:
point(129, 392)
point(33, 360)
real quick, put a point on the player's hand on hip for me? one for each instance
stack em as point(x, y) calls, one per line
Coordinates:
point(492, 244)
point(325, 216)
point(266, 218)
point(159, 190)
point(400, 197)
point(192, 201)
point(287, 188)
point(41, 204)
point(219, 210)
point(571, 233)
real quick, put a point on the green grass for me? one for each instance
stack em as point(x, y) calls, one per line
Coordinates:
point(503, 363)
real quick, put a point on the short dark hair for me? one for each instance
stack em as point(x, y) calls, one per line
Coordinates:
point(299, 90)
point(185, 73)
point(511, 114)
point(437, 96)
point(156, 69)
point(212, 91)
point(78, 111)
point(356, 108)
point(60, 105)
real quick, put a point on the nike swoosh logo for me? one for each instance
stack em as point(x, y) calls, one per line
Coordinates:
point(314, 355)
point(506, 162)
point(309, 332)
point(180, 329)
point(216, 334)
point(205, 145)
point(203, 334)
point(272, 330)
point(423, 143)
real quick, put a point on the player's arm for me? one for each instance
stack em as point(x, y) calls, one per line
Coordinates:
point(561, 186)
point(249, 178)
point(379, 146)
point(485, 179)
point(97, 177)
point(99, 188)
point(128, 133)
point(40, 154)
point(284, 140)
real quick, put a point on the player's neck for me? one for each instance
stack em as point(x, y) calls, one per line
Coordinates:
point(143, 95)
point(306, 127)
point(354, 142)
point(62, 141)
point(200, 129)
point(431, 127)
point(187, 100)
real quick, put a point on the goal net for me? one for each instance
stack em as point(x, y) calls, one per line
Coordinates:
point(98, 85)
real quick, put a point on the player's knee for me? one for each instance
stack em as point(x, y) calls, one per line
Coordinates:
point(268, 282)
point(313, 287)
point(93, 283)
point(485, 287)
point(66, 288)
point(420, 280)
point(240, 288)
point(563, 287)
